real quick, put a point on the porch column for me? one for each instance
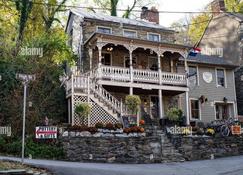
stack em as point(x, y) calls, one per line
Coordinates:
point(159, 69)
point(160, 104)
point(131, 69)
point(185, 55)
point(100, 46)
point(187, 108)
point(90, 60)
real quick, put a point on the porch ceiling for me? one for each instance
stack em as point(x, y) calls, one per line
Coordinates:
point(135, 42)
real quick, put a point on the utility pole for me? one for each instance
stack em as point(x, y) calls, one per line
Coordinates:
point(25, 80)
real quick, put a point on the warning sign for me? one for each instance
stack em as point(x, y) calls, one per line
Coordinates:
point(46, 132)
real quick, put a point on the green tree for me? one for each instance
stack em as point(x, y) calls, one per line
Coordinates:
point(234, 5)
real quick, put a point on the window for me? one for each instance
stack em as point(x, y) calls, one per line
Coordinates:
point(195, 110)
point(193, 73)
point(104, 29)
point(127, 62)
point(220, 77)
point(130, 33)
point(106, 59)
point(153, 37)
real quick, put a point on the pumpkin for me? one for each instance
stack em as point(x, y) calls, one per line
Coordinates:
point(141, 129)
point(141, 122)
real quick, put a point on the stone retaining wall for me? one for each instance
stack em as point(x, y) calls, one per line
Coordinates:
point(113, 149)
point(197, 148)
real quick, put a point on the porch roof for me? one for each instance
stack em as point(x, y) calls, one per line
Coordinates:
point(95, 35)
point(210, 60)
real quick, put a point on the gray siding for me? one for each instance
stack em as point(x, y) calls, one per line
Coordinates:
point(211, 92)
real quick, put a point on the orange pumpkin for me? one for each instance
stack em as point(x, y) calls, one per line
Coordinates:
point(142, 130)
point(141, 122)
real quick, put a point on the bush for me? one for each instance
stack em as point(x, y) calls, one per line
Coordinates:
point(132, 102)
point(99, 125)
point(83, 110)
point(118, 125)
point(174, 114)
point(110, 126)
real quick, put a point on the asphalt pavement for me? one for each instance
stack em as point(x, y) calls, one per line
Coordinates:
point(222, 166)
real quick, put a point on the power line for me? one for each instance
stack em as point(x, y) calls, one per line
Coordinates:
point(118, 9)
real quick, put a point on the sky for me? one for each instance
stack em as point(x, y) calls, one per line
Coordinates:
point(166, 19)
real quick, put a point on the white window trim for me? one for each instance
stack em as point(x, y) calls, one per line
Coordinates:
point(190, 65)
point(216, 77)
point(190, 106)
point(148, 33)
point(130, 31)
point(106, 52)
point(105, 27)
point(228, 102)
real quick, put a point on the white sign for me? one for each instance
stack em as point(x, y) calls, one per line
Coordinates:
point(5, 130)
point(46, 132)
point(207, 77)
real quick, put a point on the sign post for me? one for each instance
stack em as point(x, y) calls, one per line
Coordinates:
point(25, 80)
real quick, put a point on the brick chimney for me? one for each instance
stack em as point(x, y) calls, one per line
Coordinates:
point(151, 15)
point(218, 6)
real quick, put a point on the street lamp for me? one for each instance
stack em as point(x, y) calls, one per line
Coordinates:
point(25, 80)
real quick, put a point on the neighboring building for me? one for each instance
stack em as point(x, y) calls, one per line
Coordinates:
point(212, 89)
point(118, 57)
point(223, 37)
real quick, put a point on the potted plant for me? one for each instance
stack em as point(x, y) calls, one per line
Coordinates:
point(83, 110)
point(132, 102)
point(174, 116)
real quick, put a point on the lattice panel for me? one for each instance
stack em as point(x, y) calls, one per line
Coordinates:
point(98, 114)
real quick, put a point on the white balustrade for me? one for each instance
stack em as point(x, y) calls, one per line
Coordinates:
point(171, 78)
point(147, 76)
point(115, 73)
point(139, 75)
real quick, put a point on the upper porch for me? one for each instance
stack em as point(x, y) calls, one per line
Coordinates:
point(116, 59)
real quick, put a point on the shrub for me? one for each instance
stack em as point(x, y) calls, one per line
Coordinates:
point(109, 126)
point(83, 110)
point(174, 114)
point(99, 125)
point(132, 102)
point(92, 130)
point(118, 125)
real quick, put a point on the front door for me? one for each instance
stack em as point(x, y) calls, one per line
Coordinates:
point(106, 59)
point(154, 106)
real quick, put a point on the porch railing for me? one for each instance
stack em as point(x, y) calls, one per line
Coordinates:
point(141, 76)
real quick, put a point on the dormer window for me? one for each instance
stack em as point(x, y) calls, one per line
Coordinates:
point(103, 29)
point(130, 33)
point(153, 37)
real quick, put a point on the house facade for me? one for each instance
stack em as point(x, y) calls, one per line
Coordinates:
point(120, 57)
point(223, 37)
point(212, 89)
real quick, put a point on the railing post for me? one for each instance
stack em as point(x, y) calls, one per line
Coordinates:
point(72, 98)
point(88, 94)
point(121, 106)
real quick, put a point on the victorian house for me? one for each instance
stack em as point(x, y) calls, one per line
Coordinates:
point(118, 57)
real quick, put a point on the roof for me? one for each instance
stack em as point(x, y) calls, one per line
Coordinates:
point(236, 15)
point(102, 17)
point(210, 60)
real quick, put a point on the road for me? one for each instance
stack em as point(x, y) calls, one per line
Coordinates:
point(222, 166)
